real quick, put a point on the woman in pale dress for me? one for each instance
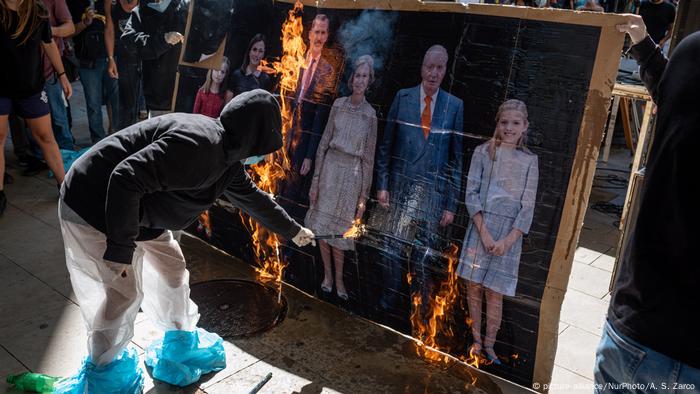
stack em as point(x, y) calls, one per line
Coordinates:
point(343, 173)
point(500, 199)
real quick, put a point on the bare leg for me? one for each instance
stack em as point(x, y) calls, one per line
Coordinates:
point(41, 130)
point(474, 296)
point(339, 259)
point(327, 284)
point(494, 313)
point(3, 136)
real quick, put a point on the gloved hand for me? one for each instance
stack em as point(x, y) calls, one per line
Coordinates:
point(304, 237)
point(173, 37)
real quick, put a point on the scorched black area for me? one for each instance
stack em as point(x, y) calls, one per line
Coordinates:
point(235, 308)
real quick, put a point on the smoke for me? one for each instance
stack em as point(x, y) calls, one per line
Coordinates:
point(372, 33)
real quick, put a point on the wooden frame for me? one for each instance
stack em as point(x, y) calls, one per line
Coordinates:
point(604, 73)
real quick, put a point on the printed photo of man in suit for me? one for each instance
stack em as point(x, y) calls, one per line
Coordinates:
point(313, 99)
point(419, 173)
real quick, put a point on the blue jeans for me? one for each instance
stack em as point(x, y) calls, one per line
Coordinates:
point(59, 113)
point(99, 87)
point(625, 366)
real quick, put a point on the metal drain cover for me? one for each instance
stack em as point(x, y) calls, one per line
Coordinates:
point(235, 308)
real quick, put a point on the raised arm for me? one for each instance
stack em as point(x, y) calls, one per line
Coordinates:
point(243, 193)
point(651, 60)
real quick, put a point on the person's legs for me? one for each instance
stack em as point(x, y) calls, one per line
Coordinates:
point(59, 115)
point(494, 314)
point(108, 301)
point(91, 78)
point(41, 130)
point(339, 259)
point(474, 300)
point(622, 362)
point(20, 139)
point(185, 352)
point(129, 92)
point(327, 284)
point(166, 285)
point(109, 295)
point(110, 89)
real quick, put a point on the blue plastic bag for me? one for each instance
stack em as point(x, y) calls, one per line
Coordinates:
point(182, 357)
point(69, 156)
point(122, 376)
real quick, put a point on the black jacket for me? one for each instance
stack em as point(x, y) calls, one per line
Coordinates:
point(144, 37)
point(163, 172)
point(655, 298)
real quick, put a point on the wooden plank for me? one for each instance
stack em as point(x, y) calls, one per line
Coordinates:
point(626, 126)
point(639, 161)
point(610, 130)
point(631, 91)
point(580, 183)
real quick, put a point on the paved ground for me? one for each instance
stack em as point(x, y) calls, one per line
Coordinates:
point(316, 349)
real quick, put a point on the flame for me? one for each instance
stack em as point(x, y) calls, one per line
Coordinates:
point(441, 303)
point(268, 174)
point(204, 223)
point(355, 231)
point(436, 320)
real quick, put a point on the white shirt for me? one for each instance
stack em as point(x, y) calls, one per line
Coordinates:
point(433, 98)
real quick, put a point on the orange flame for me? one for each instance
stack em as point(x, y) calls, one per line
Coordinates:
point(268, 174)
point(204, 223)
point(436, 320)
point(355, 231)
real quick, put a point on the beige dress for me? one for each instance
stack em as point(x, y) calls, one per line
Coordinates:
point(343, 169)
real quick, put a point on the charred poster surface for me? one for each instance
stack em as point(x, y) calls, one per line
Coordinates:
point(459, 138)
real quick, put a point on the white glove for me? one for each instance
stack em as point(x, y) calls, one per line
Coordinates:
point(173, 37)
point(304, 237)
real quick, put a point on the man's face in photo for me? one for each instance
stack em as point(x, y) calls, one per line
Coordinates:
point(318, 35)
point(433, 71)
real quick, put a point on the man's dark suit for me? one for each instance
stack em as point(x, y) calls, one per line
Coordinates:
point(423, 178)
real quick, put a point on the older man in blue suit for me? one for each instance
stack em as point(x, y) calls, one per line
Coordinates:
point(419, 170)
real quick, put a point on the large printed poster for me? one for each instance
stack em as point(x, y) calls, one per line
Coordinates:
point(463, 143)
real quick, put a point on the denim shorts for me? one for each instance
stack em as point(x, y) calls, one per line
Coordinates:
point(625, 366)
point(31, 107)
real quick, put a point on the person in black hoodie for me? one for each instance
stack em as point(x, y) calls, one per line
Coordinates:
point(651, 335)
point(118, 205)
point(154, 34)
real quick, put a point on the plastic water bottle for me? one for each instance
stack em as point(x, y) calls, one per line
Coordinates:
point(35, 382)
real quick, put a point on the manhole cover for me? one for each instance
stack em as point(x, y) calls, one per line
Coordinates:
point(236, 308)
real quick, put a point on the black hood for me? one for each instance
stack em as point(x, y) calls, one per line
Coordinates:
point(253, 125)
point(679, 88)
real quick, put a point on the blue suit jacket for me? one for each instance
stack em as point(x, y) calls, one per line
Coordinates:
point(405, 156)
point(314, 111)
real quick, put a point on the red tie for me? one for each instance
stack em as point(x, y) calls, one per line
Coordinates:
point(425, 117)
